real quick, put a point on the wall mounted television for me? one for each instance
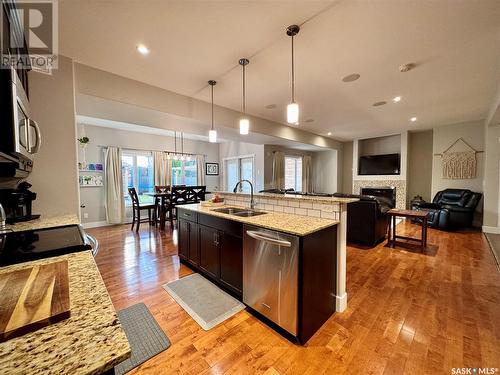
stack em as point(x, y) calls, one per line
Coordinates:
point(387, 164)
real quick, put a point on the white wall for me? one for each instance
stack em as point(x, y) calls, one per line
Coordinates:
point(93, 197)
point(228, 149)
point(54, 176)
point(443, 137)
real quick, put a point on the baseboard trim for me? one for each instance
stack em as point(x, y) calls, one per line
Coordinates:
point(96, 224)
point(494, 230)
point(341, 303)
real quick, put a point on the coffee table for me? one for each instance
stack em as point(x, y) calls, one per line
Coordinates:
point(412, 214)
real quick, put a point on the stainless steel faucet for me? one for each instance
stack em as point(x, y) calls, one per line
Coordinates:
point(252, 202)
point(3, 219)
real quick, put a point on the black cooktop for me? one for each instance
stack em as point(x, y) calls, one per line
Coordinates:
point(18, 247)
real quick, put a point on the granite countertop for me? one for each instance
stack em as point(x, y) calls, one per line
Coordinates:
point(288, 223)
point(44, 222)
point(309, 198)
point(91, 341)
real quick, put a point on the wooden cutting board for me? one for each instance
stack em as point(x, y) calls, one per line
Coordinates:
point(33, 298)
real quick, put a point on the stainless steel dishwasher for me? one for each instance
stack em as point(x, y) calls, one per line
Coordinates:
point(270, 275)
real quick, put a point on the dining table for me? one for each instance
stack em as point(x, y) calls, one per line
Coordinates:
point(164, 196)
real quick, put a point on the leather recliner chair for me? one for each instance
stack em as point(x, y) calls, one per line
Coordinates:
point(367, 219)
point(451, 209)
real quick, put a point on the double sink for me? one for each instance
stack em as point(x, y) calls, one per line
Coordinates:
point(241, 212)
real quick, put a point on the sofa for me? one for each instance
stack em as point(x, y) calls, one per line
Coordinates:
point(367, 219)
point(451, 209)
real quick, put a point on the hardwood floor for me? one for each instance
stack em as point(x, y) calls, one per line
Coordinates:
point(407, 312)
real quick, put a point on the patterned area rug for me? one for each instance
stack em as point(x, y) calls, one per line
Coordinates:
point(205, 302)
point(144, 334)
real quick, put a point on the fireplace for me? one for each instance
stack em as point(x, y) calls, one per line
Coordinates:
point(386, 192)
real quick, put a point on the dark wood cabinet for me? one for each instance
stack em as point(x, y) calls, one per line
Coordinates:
point(231, 261)
point(189, 241)
point(218, 245)
point(183, 239)
point(210, 251)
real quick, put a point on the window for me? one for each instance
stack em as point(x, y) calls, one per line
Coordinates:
point(239, 168)
point(184, 172)
point(293, 172)
point(138, 172)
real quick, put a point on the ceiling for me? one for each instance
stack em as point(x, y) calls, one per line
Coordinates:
point(116, 115)
point(454, 44)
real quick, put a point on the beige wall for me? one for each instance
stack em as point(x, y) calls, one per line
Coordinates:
point(381, 145)
point(491, 183)
point(420, 165)
point(347, 166)
point(325, 166)
point(54, 175)
point(443, 137)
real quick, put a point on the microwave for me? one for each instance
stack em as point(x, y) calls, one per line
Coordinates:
point(20, 136)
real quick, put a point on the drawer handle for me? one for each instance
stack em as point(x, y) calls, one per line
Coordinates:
point(266, 305)
point(262, 237)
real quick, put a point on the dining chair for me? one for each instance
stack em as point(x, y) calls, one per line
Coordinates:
point(137, 207)
point(184, 195)
point(161, 189)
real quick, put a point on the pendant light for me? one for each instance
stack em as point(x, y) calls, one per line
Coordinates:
point(244, 122)
point(182, 146)
point(175, 146)
point(212, 134)
point(292, 110)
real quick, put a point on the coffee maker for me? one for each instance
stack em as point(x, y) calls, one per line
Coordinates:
point(17, 203)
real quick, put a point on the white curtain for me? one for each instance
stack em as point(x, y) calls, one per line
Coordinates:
point(279, 170)
point(306, 174)
point(161, 170)
point(200, 170)
point(115, 204)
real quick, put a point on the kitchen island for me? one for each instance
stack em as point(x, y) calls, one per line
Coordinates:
point(282, 266)
point(324, 207)
point(90, 341)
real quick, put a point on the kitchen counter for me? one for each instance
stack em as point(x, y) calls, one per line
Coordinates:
point(91, 341)
point(308, 198)
point(44, 222)
point(288, 223)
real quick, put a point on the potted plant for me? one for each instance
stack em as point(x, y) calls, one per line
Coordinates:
point(83, 141)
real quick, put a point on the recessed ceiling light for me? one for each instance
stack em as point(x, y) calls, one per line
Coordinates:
point(403, 68)
point(351, 77)
point(329, 133)
point(270, 106)
point(143, 50)
point(413, 119)
point(396, 99)
point(378, 104)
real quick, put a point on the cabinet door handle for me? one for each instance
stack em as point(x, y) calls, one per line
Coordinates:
point(266, 305)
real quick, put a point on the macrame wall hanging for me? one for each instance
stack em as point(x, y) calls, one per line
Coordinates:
point(459, 165)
